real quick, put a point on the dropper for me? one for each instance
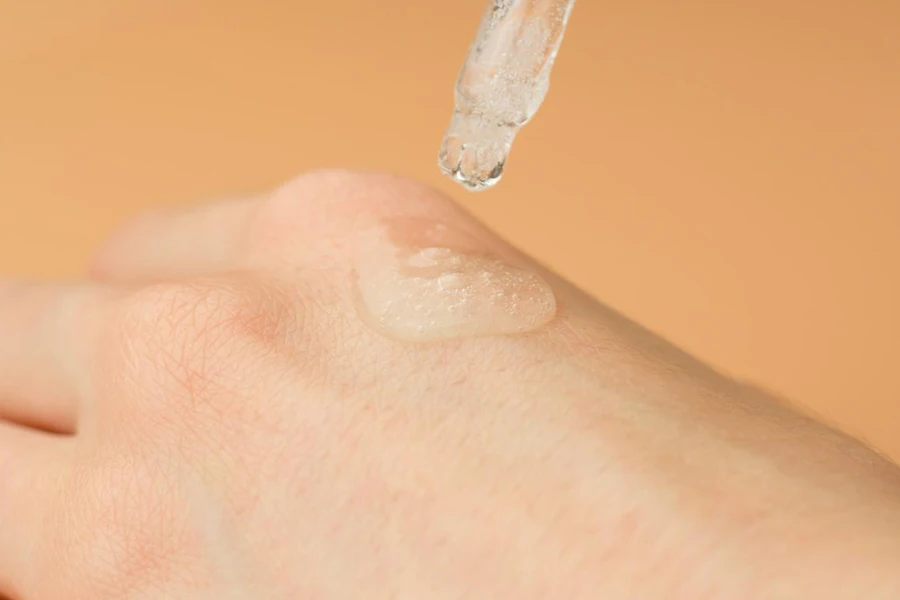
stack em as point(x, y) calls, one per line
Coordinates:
point(501, 86)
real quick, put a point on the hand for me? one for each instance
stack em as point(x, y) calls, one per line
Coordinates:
point(349, 389)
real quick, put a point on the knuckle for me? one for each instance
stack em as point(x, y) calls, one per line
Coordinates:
point(187, 321)
point(327, 206)
point(180, 342)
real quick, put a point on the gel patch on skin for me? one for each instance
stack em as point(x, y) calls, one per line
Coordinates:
point(434, 289)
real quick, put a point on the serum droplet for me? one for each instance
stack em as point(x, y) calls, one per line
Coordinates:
point(437, 293)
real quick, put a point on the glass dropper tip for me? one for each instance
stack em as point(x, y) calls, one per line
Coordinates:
point(475, 150)
point(500, 87)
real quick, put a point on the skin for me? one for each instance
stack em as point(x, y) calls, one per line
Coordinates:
point(208, 417)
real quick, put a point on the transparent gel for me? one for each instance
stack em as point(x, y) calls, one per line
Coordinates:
point(432, 289)
point(503, 83)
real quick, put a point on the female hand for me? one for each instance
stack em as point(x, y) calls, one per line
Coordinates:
point(349, 389)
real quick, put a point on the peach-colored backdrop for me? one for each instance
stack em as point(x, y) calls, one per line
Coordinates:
point(724, 172)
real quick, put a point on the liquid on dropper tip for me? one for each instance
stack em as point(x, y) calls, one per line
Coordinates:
point(474, 152)
point(458, 163)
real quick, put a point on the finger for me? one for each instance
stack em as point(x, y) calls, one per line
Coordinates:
point(30, 465)
point(46, 337)
point(192, 241)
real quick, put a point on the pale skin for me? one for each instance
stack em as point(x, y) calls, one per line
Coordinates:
point(207, 416)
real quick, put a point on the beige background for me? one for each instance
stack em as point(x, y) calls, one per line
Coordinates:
point(724, 172)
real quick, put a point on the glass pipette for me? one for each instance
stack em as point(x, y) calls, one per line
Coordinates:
point(502, 84)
